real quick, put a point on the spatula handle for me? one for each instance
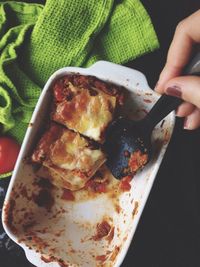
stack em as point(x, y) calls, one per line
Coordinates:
point(167, 103)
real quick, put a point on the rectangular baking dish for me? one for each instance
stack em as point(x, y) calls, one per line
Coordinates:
point(64, 235)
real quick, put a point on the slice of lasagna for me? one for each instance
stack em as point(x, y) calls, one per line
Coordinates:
point(67, 159)
point(85, 104)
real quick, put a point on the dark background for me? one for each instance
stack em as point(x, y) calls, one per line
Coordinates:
point(168, 234)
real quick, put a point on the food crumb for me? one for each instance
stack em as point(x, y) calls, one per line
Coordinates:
point(135, 210)
point(101, 258)
point(125, 183)
point(111, 235)
point(67, 195)
point(102, 229)
point(115, 253)
point(137, 160)
point(147, 100)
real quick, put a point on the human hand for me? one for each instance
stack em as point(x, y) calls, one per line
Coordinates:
point(186, 38)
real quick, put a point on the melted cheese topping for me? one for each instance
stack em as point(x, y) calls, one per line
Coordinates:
point(85, 113)
point(71, 161)
point(71, 152)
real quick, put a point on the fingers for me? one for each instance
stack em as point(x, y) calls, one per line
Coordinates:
point(193, 120)
point(191, 114)
point(185, 87)
point(185, 109)
point(167, 74)
point(186, 35)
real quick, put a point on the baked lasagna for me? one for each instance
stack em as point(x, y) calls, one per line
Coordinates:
point(85, 104)
point(66, 158)
point(69, 152)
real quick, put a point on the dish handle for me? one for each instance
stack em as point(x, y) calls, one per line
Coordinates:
point(123, 74)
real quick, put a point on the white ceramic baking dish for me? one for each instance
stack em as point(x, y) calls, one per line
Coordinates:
point(64, 235)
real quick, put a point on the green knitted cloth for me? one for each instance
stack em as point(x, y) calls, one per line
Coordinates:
point(36, 40)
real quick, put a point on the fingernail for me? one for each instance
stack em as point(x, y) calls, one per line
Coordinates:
point(174, 91)
point(186, 123)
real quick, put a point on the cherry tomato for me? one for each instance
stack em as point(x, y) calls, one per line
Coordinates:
point(9, 151)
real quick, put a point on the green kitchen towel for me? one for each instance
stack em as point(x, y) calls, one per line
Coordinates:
point(36, 40)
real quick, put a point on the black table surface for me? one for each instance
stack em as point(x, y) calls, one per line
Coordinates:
point(168, 233)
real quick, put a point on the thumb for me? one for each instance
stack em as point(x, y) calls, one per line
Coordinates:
point(185, 87)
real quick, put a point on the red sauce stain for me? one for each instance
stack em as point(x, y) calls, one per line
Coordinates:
point(62, 263)
point(147, 100)
point(111, 235)
point(36, 241)
point(166, 136)
point(23, 192)
point(137, 160)
point(102, 229)
point(72, 250)
point(125, 183)
point(108, 252)
point(9, 208)
point(67, 195)
point(95, 186)
point(51, 258)
point(135, 210)
point(125, 238)
point(101, 258)
point(47, 260)
point(117, 208)
point(115, 253)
